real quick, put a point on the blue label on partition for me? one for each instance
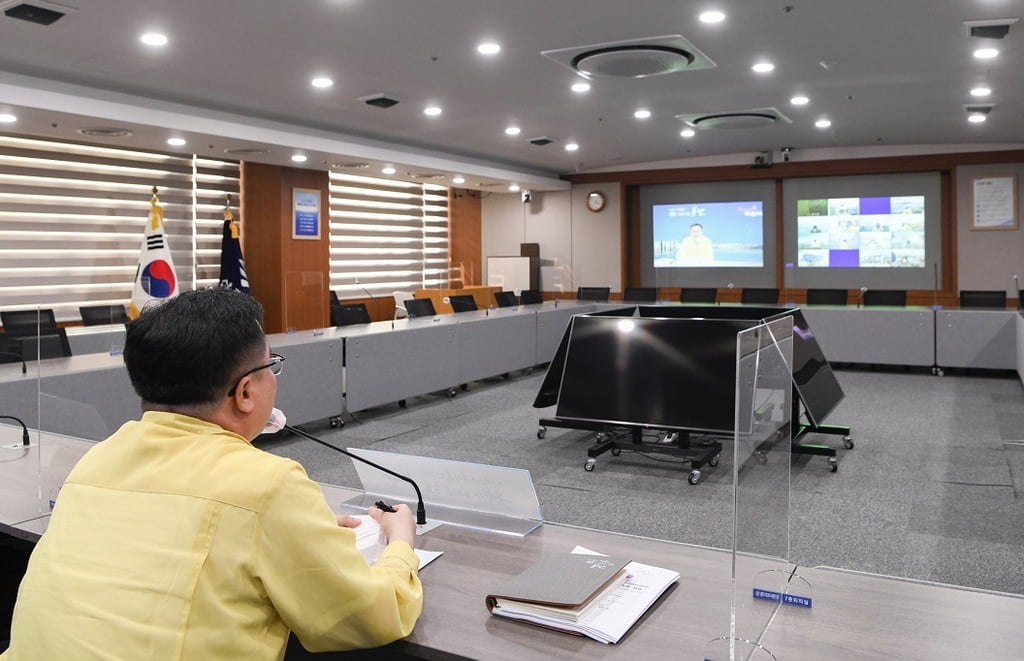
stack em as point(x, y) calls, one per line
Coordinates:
point(791, 599)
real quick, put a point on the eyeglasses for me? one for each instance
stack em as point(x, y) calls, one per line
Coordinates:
point(276, 364)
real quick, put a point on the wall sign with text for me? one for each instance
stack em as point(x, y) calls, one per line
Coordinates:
point(305, 213)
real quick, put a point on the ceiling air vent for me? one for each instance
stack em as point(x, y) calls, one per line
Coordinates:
point(636, 58)
point(105, 132)
point(995, 28)
point(246, 151)
point(541, 140)
point(354, 165)
point(38, 11)
point(379, 100)
point(735, 119)
point(424, 175)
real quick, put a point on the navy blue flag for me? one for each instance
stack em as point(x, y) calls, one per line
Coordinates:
point(232, 266)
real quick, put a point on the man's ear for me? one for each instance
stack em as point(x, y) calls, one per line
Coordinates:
point(244, 396)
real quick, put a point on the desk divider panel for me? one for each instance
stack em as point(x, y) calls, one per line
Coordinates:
point(763, 581)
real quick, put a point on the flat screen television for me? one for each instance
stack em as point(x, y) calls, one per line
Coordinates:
point(654, 372)
point(708, 234)
point(885, 231)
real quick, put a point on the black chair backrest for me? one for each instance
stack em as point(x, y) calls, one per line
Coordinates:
point(895, 297)
point(530, 296)
point(349, 313)
point(756, 295)
point(420, 307)
point(982, 298)
point(28, 322)
point(506, 299)
point(99, 315)
point(334, 298)
point(698, 295)
point(826, 296)
point(463, 303)
point(597, 294)
point(640, 294)
point(51, 343)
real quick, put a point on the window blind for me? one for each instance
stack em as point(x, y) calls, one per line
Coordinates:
point(386, 235)
point(72, 220)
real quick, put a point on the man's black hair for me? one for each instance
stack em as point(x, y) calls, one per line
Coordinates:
point(189, 349)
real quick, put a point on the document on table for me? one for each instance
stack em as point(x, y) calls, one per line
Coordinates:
point(616, 610)
point(370, 542)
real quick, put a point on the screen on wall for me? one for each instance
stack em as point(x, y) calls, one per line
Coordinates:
point(861, 232)
point(711, 234)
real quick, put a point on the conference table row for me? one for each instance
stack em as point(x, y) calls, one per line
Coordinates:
point(332, 371)
point(854, 616)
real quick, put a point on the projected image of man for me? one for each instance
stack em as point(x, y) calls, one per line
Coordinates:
point(696, 248)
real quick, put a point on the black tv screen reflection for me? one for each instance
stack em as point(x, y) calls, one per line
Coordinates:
point(663, 373)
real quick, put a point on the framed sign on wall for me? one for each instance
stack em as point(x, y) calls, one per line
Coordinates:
point(305, 213)
point(994, 202)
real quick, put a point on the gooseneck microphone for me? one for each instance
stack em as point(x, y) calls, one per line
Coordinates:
point(376, 303)
point(24, 429)
point(1016, 283)
point(24, 370)
point(421, 512)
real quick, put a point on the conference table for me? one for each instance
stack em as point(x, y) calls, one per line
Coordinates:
point(854, 616)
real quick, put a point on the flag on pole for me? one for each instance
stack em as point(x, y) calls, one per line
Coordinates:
point(155, 279)
point(232, 266)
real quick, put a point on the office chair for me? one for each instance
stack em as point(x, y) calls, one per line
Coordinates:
point(349, 314)
point(530, 297)
point(640, 294)
point(463, 303)
point(979, 298)
point(893, 297)
point(826, 296)
point(756, 295)
point(506, 299)
point(698, 295)
point(420, 307)
point(596, 294)
point(50, 343)
point(334, 298)
point(101, 315)
point(400, 298)
point(27, 322)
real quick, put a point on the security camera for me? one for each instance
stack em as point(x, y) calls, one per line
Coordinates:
point(527, 196)
point(786, 151)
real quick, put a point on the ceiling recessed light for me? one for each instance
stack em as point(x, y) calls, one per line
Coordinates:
point(388, 170)
point(7, 118)
point(763, 67)
point(642, 113)
point(512, 130)
point(176, 142)
point(322, 82)
point(299, 158)
point(986, 53)
point(154, 39)
point(711, 17)
point(488, 48)
point(981, 91)
point(687, 133)
point(823, 123)
point(514, 188)
point(976, 118)
point(571, 146)
point(580, 88)
point(432, 111)
point(458, 179)
point(799, 100)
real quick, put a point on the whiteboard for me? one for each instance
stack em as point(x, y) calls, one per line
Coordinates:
point(509, 273)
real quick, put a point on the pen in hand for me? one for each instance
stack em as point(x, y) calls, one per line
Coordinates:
point(384, 507)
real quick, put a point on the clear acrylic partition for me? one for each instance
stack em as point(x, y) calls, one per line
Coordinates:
point(306, 302)
point(762, 576)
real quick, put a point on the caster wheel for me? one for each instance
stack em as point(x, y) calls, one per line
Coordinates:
point(848, 442)
point(599, 437)
point(616, 452)
point(452, 392)
point(833, 464)
point(714, 460)
point(762, 458)
point(589, 466)
point(694, 477)
point(506, 376)
point(336, 421)
point(401, 403)
point(542, 432)
point(463, 387)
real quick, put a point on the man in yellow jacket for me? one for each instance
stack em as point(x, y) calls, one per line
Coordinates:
point(175, 538)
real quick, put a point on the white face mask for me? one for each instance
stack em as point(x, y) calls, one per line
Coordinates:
point(276, 422)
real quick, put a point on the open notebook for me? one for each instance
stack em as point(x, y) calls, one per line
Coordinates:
point(370, 542)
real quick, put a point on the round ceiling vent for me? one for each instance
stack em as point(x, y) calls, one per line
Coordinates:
point(734, 120)
point(105, 132)
point(633, 61)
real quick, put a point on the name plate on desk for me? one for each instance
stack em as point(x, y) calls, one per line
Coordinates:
point(461, 493)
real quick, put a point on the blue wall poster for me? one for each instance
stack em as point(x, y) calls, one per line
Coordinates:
point(305, 213)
